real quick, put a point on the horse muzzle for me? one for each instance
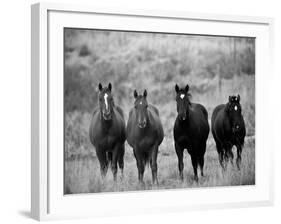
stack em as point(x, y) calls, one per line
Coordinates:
point(142, 124)
point(182, 117)
point(106, 116)
point(235, 129)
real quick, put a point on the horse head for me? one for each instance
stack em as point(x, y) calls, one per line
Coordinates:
point(141, 106)
point(106, 102)
point(183, 101)
point(234, 112)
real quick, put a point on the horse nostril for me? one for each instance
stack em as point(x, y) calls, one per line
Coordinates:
point(183, 117)
point(142, 124)
point(106, 112)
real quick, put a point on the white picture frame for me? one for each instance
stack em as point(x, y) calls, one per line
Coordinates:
point(47, 199)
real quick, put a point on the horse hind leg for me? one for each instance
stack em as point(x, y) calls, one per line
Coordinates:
point(238, 159)
point(220, 151)
point(114, 162)
point(179, 152)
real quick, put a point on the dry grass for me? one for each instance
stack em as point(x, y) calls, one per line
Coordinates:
point(83, 174)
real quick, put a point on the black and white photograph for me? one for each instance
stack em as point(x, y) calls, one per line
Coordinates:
point(157, 111)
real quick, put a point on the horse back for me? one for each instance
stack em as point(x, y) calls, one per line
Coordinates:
point(200, 108)
point(218, 110)
point(220, 124)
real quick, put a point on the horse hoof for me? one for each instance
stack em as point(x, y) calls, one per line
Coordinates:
point(155, 183)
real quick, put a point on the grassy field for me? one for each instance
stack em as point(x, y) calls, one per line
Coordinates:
point(214, 67)
point(83, 174)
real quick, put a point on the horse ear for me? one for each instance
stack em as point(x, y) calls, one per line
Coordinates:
point(109, 87)
point(135, 94)
point(100, 87)
point(177, 88)
point(145, 93)
point(229, 99)
point(186, 88)
point(238, 98)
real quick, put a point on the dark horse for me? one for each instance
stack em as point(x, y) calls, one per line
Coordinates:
point(228, 129)
point(191, 131)
point(144, 134)
point(107, 132)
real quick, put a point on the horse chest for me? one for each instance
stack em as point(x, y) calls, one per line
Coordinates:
point(146, 142)
point(145, 139)
point(186, 137)
point(184, 140)
point(107, 142)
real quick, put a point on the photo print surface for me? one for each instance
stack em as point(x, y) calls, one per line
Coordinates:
point(155, 111)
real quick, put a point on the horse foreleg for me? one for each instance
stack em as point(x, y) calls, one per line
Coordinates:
point(153, 164)
point(114, 162)
point(179, 152)
point(101, 154)
point(230, 155)
point(221, 160)
point(194, 161)
point(140, 165)
point(201, 164)
point(201, 159)
point(238, 160)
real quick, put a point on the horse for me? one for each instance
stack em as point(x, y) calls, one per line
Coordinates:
point(108, 132)
point(191, 130)
point(144, 134)
point(228, 129)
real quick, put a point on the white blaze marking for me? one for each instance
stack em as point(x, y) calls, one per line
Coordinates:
point(182, 96)
point(141, 103)
point(105, 100)
point(235, 108)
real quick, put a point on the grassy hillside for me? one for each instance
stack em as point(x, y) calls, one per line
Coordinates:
point(214, 67)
